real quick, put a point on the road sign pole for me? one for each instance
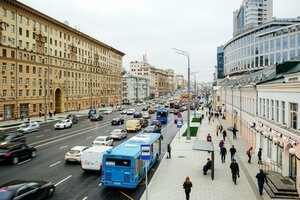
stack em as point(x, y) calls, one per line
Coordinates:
point(146, 182)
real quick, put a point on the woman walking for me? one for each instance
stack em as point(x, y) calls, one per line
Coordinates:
point(249, 153)
point(187, 185)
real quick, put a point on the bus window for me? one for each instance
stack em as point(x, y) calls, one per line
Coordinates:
point(155, 146)
point(138, 165)
point(118, 162)
point(162, 114)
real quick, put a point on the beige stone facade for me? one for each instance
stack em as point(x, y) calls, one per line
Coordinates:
point(45, 62)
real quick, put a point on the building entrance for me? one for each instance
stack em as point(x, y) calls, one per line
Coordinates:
point(58, 101)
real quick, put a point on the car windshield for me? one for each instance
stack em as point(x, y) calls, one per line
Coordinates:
point(116, 119)
point(6, 137)
point(100, 139)
point(74, 151)
point(150, 127)
point(5, 194)
point(116, 131)
point(61, 122)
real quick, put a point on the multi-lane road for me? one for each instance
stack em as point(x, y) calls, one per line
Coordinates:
point(71, 182)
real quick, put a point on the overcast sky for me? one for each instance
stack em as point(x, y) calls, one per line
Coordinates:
point(155, 26)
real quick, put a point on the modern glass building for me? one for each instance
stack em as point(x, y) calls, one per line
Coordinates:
point(262, 46)
point(220, 62)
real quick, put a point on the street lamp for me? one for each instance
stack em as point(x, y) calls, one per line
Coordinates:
point(186, 54)
point(195, 91)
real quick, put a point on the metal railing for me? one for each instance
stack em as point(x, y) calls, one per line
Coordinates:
point(270, 166)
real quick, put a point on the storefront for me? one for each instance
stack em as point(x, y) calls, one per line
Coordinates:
point(24, 109)
point(8, 111)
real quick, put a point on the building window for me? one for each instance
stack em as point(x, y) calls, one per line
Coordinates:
point(20, 81)
point(12, 67)
point(20, 31)
point(283, 112)
point(12, 93)
point(12, 54)
point(27, 69)
point(272, 109)
point(277, 111)
point(268, 109)
point(34, 107)
point(264, 107)
point(34, 81)
point(12, 28)
point(293, 115)
point(4, 80)
point(278, 44)
point(4, 67)
point(285, 42)
point(27, 93)
point(292, 41)
point(4, 93)
point(27, 81)
point(12, 15)
point(279, 156)
point(20, 93)
point(12, 81)
point(3, 39)
point(4, 52)
point(4, 13)
point(269, 148)
point(20, 68)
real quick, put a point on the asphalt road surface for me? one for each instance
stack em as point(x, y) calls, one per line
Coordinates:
point(71, 182)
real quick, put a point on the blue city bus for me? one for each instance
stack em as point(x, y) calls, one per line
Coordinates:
point(162, 115)
point(122, 166)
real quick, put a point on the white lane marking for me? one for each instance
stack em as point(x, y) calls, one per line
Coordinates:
point(89, 137)
point(106, 131)
point(25, 161)
point(84, 198)
point(62, 180)
point(55, 164)
point(63, 147)
point(82, 125)
point(47, 130)
point(39, 136)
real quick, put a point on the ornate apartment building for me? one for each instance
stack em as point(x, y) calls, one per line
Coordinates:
point(47, 65)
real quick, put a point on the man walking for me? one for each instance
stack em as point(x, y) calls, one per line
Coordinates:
point(223, 154)
point(232, 152)
point(169, 151)
point(259, 154)
point(261, 178)
point(234, 166)
point(208, 138)
point(224, 135)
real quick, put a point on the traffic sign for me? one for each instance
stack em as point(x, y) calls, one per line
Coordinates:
point(146, 152)
point(179, 124)
point(179, 115)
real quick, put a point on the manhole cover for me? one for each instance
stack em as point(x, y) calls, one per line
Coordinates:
point(181, 156)
point(287, 182)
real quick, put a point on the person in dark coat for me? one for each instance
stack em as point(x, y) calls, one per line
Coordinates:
point(235, 171)
point(259, 154)
point(223, 154)
point(232, 152)
point(187, 186)
point(224, 135)
point(207, 166)
point(221, 144)
point(234, 132)
point(208, 138)
point(169, 151)
point(261, 178)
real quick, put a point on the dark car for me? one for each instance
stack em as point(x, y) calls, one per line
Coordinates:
point(152, 129)
point(12, 138)
point(144, 109)
point(96, 117)
point(92, 112)
point(21, 189)
point(137, 115)
point(73, 118)
point(117, 121)
point(144, 122)
point(176, 112)
point(15, 153)
point(157, 123)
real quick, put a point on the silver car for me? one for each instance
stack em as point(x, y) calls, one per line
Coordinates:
point(29, 127)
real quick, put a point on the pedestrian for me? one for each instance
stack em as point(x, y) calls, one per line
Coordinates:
point(249, 154)
point(221, 144)
point(40, 114)
point(232, 152)
point(259, 154)
point(261, 178)
point(22, 117)
point(169, 151)
point(209, 118)
point(235, 171)
point(224, 135)
point(54, 113)
point(207, 166)
point(208, 138)
point(202, 116)
point(187, 186)
point(28, 119)
point(200, 120)
point(234, 133)
point(217, 130)
point(223, 154)
point(221, 128)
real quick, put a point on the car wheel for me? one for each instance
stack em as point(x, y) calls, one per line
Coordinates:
point(15, 160)
point(71, 126)
point(33, 154)
point(51, 192)
point(112, 144)
point(119, 123)
point(64, 126)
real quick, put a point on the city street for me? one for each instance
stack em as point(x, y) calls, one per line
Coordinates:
point(71, 182)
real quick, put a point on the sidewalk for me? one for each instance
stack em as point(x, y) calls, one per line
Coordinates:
point(13, 123)
point(170, 175)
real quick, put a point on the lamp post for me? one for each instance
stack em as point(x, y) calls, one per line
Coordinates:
point(195, 91)
point(186, 54)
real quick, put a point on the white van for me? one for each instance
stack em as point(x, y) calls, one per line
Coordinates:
point(91, 158)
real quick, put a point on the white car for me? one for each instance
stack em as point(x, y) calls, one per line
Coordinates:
point(103, 140)
point(107, 111)
point(28, 127)
point(130, 111)
point(146, 115)
point(123, 112)
point(74, 154)
point(66, 123)
point(138, 104)
point(118, 134)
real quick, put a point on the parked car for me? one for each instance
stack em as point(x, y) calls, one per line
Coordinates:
point(123, 112)
point(117, 121)
point(29, 127)
point(152, 129)
point(62, 124)
point(118, 134)
point(92, 112)
point(146, 115)
point(103, 140)
point(74, 154)
point(12, 138)
point(73, 118)
point(157, 123)
point(137, 115)
point(22, 189)
point(144, 122)
point(97, 117)
point(15, 153)
point(130, 111)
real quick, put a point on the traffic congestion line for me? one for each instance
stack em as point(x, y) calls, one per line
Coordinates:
point(55, 164)
point(63, 180)
point(25, 161)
